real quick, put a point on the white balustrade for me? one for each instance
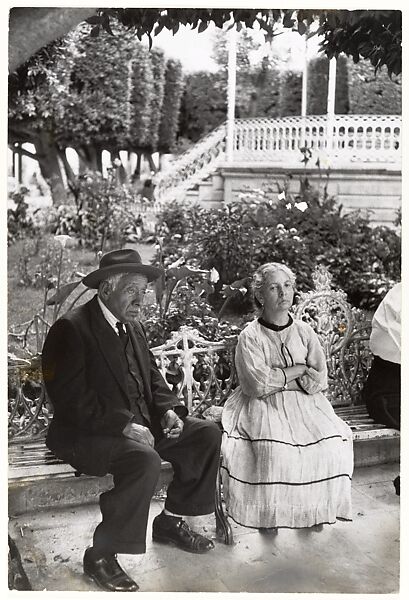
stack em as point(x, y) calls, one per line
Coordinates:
point(339, 141)
point(191, 167)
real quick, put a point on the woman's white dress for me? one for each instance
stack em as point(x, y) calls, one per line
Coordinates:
point(287, 457)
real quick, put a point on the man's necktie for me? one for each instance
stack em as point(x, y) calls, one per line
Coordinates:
point(123, 335)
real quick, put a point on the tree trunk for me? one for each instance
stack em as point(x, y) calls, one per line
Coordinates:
point(98, 159)
point(88, 156)
point(120, 171)
point(137, 173)
point(69, 173)
point(50, 168)
point(151, 162)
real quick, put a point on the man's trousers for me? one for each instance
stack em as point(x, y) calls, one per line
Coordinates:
point(135, 467)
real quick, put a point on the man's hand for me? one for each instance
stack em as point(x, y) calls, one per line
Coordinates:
point(139, 433)
point(172, 424)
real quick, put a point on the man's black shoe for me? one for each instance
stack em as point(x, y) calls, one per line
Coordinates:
point(175, 531)
point(107, 573)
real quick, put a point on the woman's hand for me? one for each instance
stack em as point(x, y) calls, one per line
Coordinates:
point(295, 372)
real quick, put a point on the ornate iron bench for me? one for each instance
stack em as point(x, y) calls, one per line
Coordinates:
point(202, 374)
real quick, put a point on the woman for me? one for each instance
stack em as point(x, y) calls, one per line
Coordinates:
point(287, 457)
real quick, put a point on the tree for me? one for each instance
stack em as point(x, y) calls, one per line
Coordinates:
point(91, 91)
point(203, 105)
point(158, 71)
point(169, 119)
point(373, 94)
point(204, 100)
point(318, 73)
point(374, 35)
point(31, 116)
point(289, 101)
point(92, 95)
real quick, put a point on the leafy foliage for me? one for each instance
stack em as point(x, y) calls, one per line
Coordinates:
point(318, 86)
point(371, 93)
point(266, 90)
point(19, 222)
point(94, 94)
point(39, 262)
point(141, 92)
point(102, 213)
point(169, 121)
point(98, 101)
point(158, 92)
point(289, 101)
point(203, 106)
point(187, 309)
point(300, 230)
point(29, 100)
point(374, 35)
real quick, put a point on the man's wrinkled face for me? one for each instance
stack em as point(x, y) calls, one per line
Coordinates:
point(124, 300)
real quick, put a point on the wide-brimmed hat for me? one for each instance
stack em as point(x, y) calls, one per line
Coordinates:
point(126, 260)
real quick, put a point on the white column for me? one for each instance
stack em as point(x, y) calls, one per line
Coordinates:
point(231, 92)
point(332, 75)
point(304, 80)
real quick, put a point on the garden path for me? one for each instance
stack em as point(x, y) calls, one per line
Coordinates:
point(357, 557)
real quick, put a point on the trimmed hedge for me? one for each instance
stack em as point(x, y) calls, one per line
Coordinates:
point(373, 94)
point(318, 86)
point(289, 102)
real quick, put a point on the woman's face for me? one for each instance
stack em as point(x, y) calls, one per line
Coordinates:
point(277, 293)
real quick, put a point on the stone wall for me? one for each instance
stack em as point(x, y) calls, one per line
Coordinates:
point(376, 190)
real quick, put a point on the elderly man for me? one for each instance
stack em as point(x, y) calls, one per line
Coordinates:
point(114, 413)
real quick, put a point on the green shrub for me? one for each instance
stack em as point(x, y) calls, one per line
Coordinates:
point(318, 86)
point(19, 222)
point(102, 213)
point(299, 230)
point(169, 117)
point(38, 263)
point(189, 309)
point(371, 94)
point(289, 101)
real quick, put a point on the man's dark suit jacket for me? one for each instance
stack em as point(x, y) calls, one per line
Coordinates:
point(85, 378)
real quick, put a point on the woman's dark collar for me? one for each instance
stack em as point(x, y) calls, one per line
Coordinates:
point(275, 327)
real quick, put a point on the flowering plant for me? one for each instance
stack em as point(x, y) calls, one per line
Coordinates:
point(303, 229)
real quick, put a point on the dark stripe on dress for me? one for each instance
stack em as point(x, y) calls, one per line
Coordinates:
point(287, 526)
point(285, 482)
point(235, 437)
